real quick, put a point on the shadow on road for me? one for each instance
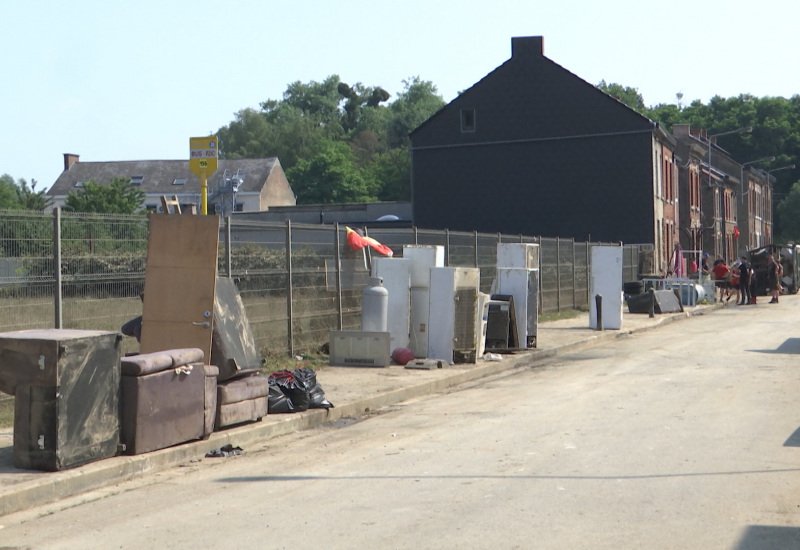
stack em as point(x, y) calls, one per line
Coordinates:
point(790, 347)
point(769, 537)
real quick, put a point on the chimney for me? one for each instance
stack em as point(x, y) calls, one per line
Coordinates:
point(527, 47)
point(69, 160)
point(681, 130)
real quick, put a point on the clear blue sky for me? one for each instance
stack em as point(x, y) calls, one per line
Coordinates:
point(135, 80)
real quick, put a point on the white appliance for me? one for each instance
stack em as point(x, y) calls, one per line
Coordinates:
point(396, 275)
point(482, 322)
point(523, 285)
point(606, 280)
point(453, 329)
point(423, 258)
point(518, 255)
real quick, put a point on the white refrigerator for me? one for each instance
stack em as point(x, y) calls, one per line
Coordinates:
point(606, 280)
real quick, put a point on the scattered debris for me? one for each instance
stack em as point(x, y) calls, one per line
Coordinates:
point(225, 451)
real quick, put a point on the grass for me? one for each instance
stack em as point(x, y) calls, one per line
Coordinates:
point(559, 315)
point(6, 412)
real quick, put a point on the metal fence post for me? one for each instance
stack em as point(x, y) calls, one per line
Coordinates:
point(57, 296)
point(228, 263)
point(558, 274)
point(476, 249)
point(416, 237)
point(447, 247)
point(289, 308)
point(574, 298)
point(339, 308)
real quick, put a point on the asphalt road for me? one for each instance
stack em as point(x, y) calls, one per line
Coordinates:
point(683, 437)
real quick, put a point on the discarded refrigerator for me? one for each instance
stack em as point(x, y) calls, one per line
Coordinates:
point(605, 280)
point(423, 258)
point(454, 326)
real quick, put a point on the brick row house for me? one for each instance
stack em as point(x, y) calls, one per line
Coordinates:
point(534, 149)
point(726, 205)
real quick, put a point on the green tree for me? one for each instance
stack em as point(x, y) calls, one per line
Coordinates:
point(31, 199)
point(9, 193)
point(118, 197)
point(789, 211)
point(413, 106)
point(331, 176)
point(627, 95)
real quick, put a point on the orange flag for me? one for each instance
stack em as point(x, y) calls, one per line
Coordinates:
point(357, 242)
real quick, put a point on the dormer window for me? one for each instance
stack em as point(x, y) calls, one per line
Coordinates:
point(179, 181)
point(467, 120)
point(79, 183)
point(137, 180)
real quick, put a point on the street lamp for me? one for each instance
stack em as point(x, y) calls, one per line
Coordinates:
point(741, 176)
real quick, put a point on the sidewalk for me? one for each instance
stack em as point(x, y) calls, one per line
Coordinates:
point(353, 391)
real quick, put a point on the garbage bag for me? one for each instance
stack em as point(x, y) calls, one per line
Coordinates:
point(294, 388)
point(316, 396)
point(277, 401)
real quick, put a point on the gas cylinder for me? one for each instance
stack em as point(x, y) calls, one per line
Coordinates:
point(375, 306)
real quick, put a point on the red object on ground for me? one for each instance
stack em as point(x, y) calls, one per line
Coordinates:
point(402, 356)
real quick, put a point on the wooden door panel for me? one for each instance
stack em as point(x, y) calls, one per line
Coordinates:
point(179, 283)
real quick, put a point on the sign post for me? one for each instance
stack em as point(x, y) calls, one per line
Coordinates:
point(203, 155)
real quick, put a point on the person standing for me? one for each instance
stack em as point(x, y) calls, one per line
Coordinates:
point(773, 278)
point(721, 278)
point(744, 282)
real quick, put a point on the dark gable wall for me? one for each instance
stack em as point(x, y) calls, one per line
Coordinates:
point(551, 156)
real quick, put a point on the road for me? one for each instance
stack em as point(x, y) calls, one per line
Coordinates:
point(683, 437)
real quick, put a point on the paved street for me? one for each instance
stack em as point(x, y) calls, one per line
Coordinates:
point(686, 436)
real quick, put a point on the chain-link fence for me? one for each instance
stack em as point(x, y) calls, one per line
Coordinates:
point(297, 281)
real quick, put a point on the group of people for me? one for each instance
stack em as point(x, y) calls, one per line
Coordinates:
point(739, 279)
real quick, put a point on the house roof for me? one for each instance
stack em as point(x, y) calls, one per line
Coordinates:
point(538, 98)
point(159, 176)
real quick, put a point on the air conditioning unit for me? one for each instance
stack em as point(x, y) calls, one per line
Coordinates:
point(454, 330)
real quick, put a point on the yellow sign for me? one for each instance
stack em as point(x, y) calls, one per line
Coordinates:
point(203, 154)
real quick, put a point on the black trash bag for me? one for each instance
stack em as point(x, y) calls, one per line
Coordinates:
point(133, 328)
point(316, 396)
point(294, 388)
point(277, 401)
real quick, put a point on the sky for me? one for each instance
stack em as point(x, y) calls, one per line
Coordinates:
point(113, 81)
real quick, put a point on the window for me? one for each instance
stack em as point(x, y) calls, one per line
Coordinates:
point(137, 180)
point(179, 181)
point(468, 120)
point(79, 183)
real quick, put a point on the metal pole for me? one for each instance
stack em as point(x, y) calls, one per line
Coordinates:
point(558, 274)
point(228, 263)
point(339, 308)
point(574, 299)
point(598, 302)
point(476, 249)
point(58, 322)
point(447, 247)
point(289, 299)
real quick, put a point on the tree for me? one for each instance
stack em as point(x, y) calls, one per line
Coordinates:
point(331, 176)
point(627, 95)
point(118, 197)
point(413, 106)
point(9, 193)
point(789, 212)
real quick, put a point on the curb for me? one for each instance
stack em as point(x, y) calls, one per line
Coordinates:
point(54, 486)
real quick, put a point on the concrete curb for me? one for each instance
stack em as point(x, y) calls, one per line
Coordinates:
point(54, 486)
